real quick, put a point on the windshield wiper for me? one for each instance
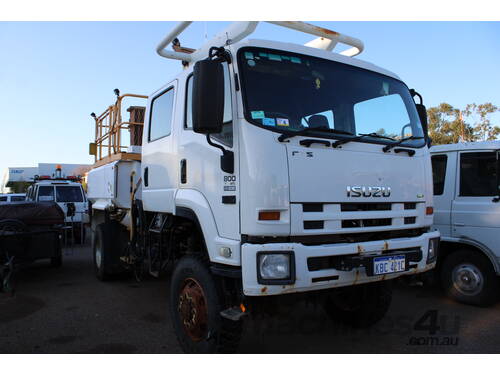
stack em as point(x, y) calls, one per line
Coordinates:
point(358, 137)
point(392, 145)
point(307, 131)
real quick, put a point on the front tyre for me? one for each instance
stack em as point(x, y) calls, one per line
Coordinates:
point(195, 306)
point(360, 306)
point(468, 277)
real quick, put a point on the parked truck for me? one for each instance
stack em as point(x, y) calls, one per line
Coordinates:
point(265, 172)
point(467, 196)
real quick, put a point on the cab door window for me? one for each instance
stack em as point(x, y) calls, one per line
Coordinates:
point(478, 174)
point(160, 123)
point(226, 135)
point(45, 193)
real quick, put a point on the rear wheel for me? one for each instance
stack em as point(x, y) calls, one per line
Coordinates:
point(468, 277)
point(195, 306)
point(107, 248)
point(360, 306)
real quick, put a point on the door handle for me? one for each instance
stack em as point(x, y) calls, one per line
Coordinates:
point(459, 224)
point(146, 176)
point(183, 171)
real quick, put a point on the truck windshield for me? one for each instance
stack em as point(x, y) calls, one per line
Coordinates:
point(287, 93)
point(69, 194)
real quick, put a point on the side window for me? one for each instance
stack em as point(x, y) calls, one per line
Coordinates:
point(478, 174)
point(160, 123)
point(226, 136)
point(439, 173)
point(45, 193)
point(3, 199)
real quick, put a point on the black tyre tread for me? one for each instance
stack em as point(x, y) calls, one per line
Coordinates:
point(229, 333)
point(488, 296)
point(376, 301)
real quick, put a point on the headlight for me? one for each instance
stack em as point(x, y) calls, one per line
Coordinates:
point(275, 268)
point(432, 250)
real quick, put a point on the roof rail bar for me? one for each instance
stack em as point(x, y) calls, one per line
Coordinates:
point(327, 39)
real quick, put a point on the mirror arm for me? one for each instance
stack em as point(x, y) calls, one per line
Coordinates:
point(226, 159)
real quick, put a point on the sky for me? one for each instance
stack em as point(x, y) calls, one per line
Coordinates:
point(54, 74)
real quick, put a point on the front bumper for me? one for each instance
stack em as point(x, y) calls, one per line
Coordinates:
point(348, 262)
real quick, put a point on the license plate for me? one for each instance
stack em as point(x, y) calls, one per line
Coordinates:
point(388, 264)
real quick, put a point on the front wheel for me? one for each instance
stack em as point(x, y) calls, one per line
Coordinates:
point(468, 277)
point(195, 306)
point(360, 306)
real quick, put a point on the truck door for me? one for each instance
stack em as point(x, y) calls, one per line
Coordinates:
point(159, 159)
point(475, 212)
point(201, 163)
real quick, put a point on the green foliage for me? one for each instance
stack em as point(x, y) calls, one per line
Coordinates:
point(448, 124)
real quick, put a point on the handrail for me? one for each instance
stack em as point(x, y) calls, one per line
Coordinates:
point(108, 127)
point(327, 39)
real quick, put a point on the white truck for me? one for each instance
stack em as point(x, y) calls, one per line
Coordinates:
point(467, 213)
point(68, 193)
point(267, 171)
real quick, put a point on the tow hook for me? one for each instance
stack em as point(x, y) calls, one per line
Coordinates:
point(234, 313)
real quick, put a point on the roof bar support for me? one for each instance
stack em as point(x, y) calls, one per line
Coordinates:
point(327, 39)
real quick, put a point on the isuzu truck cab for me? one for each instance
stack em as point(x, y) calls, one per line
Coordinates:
point(265, 171)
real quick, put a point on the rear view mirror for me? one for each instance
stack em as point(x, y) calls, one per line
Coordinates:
point(422, 113)
point(208, 97)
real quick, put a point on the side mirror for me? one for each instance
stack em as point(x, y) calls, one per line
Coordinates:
point(422, 113)
point(208, 97)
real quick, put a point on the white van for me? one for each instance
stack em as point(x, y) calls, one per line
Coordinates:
point(7, 198)
point(467, 213)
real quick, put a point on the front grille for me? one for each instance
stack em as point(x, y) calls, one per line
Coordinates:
point(354, 217)
point(365, 207)
point(410, 220)
point(312, 207)
point(366, 223)
point(317, 224)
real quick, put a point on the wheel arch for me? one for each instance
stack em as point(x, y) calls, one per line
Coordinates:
point(450, 245)
point(192, 205)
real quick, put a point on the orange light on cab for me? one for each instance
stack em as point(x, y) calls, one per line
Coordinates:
point(429, 210)
point(269, 215)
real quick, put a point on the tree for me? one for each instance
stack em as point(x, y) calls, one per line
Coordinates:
point(446, 125)
point(479, 114)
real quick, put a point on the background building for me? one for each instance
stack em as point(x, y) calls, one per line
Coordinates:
point(17, 179)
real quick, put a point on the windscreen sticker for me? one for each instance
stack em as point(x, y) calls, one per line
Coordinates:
point(274, 57)
point(262, 54)
point(282, 122)
point(268, 121)
point(295, 59)
point(249, 55)
point(257, 114)
point(283, 57)
point(251, 63)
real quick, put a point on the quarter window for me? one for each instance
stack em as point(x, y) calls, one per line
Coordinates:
point(478, 174)
point(439, 173)
point(161, 115)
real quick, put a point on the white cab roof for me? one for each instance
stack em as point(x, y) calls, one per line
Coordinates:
point(466, 146)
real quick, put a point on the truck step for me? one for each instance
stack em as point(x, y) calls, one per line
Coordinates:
point(233, 313)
